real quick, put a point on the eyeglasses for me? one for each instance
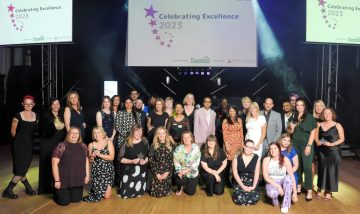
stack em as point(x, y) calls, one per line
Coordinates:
point(26, 104)
point(249, 147)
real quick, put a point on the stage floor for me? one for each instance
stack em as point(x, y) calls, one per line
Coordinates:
point(347, 200)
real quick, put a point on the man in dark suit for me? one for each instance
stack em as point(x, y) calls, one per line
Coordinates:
point(286, 114)
point(139, 104)
point(273, 124)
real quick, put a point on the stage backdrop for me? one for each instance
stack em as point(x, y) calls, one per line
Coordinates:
point(35, 21)
point(191, 33)
point(333, 21)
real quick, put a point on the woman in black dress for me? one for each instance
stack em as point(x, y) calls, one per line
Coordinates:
point(116, 104)
point(177, 124)
point(52, 129)
point(189, 109)
point(73, 115)
point(106, 118)
point(133, 156)
point(161, 163)
point(330, 135)
point(70, 167)
point(22, 128)
point(158, 117)
point(101, 153)
point(213, 163)
point(246, 170)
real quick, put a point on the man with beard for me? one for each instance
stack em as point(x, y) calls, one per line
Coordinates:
point(139, 105)
point(286, 114)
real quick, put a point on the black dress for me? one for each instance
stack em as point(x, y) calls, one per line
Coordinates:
point(133, 176)
point(161, 161)
point(156, 121)
point(177, 128)
point(22, 147)
point(77, 120)
point(108, 122)
point(190, 118)
point(329, 161)
point(246, 174)
point(51, 136)
point(102, 176)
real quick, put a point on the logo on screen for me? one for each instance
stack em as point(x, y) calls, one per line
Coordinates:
point(14, 18)
point(329, 16)
point(162, 37)
point(204, 60)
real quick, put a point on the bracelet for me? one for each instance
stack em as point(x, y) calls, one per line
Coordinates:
point(309, 145)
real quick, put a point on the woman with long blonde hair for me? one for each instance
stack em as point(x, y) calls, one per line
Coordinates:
point(73, 114)
point(161, 166)
point(256, 127)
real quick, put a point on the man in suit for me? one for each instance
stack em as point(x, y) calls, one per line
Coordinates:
point(204, 122)
point(273, 124)
point(139, 104)
point(286, 115)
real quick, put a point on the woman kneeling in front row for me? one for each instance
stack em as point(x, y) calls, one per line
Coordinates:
point(186, 161)
point(246, 170)
point(277, 172)
point(213, 163)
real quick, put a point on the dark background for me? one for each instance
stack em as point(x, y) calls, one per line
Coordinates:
point(98, 54)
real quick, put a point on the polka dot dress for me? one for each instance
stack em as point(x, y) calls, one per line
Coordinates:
point(102, 176)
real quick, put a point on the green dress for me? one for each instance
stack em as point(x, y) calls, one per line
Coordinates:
point(299, 140)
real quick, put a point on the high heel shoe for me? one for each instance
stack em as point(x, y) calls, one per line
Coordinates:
point(328, 196)
point(307, 198)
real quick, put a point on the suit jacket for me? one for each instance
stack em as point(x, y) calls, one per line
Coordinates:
point(274, 126)
point(283, 122)
point(201, 128)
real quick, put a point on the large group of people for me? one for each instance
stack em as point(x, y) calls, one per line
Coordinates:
point(151, 149)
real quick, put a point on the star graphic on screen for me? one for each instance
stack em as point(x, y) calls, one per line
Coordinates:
point(322, 2)
point(168, 45)
point(162, 43)
point(13, 21)
point(11, 8)
point(150, 12)
point(170, 40)
point(12, 15)
point(324, 17)
point(154, 31)
point(323, 10)
point(152, 23)
point(157, 37)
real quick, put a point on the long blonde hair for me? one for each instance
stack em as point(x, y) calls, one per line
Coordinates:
point(130, 140)
point(252, 105)
point(188, 95)
point(321, 103)
point(156, 143)
point(101, 129)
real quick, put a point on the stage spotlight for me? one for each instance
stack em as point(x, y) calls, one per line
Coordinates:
point(218, 82)
point(110, 88)
point(185, 73)
point(208, 73)
point(197, 73)
point(167, 80)
point(191, 73)
point(202, 73)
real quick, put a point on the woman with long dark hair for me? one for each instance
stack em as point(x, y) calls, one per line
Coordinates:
point(213, 163)
point(106, 118)
point(279, 177)
point(302, 129)
point(52, 130)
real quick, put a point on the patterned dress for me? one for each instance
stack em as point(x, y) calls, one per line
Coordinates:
point(133, 176)
point(233, 138)
point(123, 123)
point(161, 161)
point(246, 174)
point(108, 122)
point(102, 176)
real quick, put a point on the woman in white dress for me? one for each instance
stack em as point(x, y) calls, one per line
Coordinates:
point(256, 127)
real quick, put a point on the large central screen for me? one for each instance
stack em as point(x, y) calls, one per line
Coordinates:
point(219, 33)
point(35, 21)
point(333, 21)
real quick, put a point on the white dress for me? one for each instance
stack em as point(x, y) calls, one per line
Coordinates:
point(253, 127)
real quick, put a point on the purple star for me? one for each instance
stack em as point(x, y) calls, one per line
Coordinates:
point(162, 43)
point(322, 2)
point(13, 21)
point(323, 10)
point(11, 8)
point(157, 37)
point(12, 15)
point(155, 31)
point(152, 23)
point(324, 17)
point(150, 12)
point(170, 40)
point(168, 45)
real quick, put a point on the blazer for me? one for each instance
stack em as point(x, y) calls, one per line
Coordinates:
point(201, 128)
point(274, 126)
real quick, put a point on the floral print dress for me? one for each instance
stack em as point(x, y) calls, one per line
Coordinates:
point(160, 162)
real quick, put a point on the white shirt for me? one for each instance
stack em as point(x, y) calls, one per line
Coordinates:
point(207, 116)
point(286, 120)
